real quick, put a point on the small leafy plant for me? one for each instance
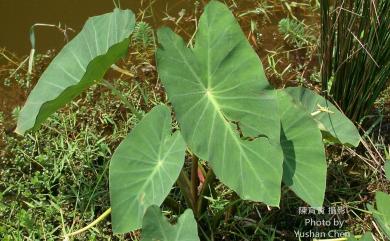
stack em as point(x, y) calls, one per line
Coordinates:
point(143, 34)
point(295, 33)
point(381, 213)
point(232, 124)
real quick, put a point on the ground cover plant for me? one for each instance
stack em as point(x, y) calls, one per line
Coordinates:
point(226, 120)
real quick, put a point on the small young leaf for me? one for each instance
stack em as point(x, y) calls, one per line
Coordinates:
point(382, 216)
point(304, 166)
point(84, 60)
point(219, 91)
point(387, 170)
point(382, 212)
point(331, 121)
point(143, 169)
point(156, 227)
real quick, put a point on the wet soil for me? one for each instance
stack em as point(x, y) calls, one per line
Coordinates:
point(17, 17)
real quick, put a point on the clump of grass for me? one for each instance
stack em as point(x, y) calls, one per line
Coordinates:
point(355, 53)
point(49, 188)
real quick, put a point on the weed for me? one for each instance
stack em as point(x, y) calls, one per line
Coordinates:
point(143, 35)
point(295, 33)
point(52, 188)
point(262, 8)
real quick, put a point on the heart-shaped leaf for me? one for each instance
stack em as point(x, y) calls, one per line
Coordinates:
point(143, 169)
point(156, 227)
point(304, 166)
point(84, 60)
point(334, 124)
point(218, 91)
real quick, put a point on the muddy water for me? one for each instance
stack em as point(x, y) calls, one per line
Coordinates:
point(17, 16)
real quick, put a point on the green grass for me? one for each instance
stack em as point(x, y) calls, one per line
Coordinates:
point(55, 181)
point(355, 53)
point(51, 187)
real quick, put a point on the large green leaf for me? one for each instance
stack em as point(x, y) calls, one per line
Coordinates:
point(334, 124)
point(304, 166)
point(84, 60)
point(156, 227)
point(218, 92)
point(143, 169)
point(382, 212)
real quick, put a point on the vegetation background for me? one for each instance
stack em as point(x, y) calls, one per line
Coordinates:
point(48, 188)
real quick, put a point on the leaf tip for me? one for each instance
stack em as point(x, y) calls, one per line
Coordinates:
point(19, 131)
point(163, 33)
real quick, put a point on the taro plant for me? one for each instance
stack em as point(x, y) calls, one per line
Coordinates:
point(233, 124)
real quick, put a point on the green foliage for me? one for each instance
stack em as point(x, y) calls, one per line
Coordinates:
point(263, 8)
point(381, 216)
point(143, 34)
point(84, 60)
point(56, 170)
point(215, 95)
point(144, 168)
point(156, 227)
point(304, 165)
point(334, 125)
point(366, 237)
point(355, 50)
point(16, 112)
point(382, 212)
point(252, 136)
point(387, 169)
point(295, 33)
